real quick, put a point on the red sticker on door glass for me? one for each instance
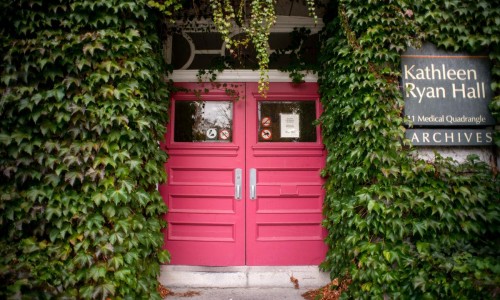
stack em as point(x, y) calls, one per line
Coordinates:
point(266, 134)
point(266, 122)
point(224, 134)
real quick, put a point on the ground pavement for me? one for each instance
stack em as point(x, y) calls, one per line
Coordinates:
point(262, 293)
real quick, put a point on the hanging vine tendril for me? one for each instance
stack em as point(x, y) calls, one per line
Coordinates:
point(257, 30)
point(223, 16)
point(262, 19)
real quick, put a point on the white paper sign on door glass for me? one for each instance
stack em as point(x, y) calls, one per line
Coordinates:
point(290, 127)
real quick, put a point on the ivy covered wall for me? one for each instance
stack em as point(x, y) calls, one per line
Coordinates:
point(400, 227)
point(82, 107)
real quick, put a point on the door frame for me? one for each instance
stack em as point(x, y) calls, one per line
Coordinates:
point(245, 77)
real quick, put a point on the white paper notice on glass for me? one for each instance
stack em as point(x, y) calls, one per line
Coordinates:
point(290, 126)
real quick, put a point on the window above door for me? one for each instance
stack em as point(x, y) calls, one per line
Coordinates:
point(193, 45)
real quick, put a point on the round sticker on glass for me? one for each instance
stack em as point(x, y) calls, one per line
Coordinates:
point(266, 122)
point(224, 134)
point(211, 133)
point(266, 134)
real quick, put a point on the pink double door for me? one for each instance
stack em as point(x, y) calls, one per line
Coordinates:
point(244, 185)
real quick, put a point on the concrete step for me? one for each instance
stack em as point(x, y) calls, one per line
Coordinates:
point(242, 276)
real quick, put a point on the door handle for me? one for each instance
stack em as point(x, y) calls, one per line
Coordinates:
point(253, 184)
point(237, 184)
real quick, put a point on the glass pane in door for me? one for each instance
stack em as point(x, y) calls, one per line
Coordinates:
point(287, 121)
point(203, 121)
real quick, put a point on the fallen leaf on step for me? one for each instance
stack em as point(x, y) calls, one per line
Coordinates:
point(295, 282)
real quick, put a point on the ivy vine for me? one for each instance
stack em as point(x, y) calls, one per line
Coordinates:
point(83, 105)
point(399, 226)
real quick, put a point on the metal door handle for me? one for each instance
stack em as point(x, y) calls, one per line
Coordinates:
point(253, 184)
point(237, 183)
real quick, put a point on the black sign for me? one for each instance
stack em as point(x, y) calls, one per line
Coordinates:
point(450, 137)
point(446, 89)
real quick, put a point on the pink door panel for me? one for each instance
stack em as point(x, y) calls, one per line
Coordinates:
point(205, 226)
point(284, 221)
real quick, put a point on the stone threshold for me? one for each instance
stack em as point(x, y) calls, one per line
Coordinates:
point(242, 276)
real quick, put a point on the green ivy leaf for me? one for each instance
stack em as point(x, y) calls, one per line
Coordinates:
point(96, 272)
point(164, 257)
